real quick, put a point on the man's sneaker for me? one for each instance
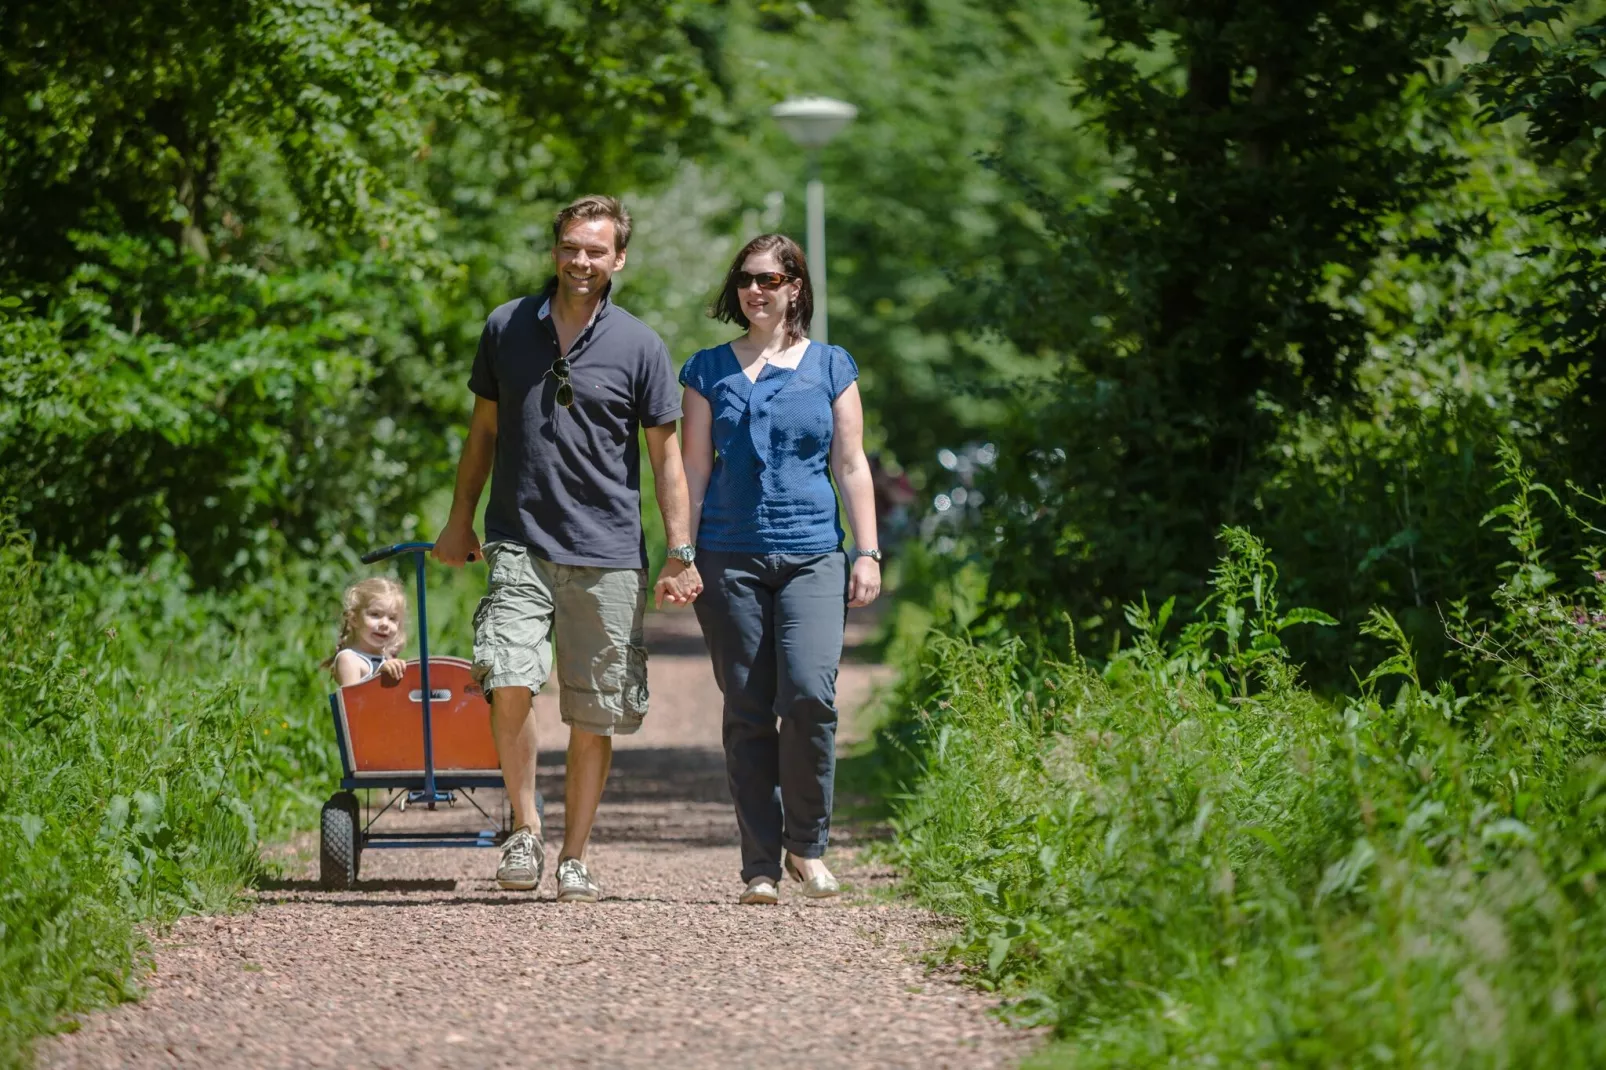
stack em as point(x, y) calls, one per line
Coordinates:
point(523, 858)
point(575, 884)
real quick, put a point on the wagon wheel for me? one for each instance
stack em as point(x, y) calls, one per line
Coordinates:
point(339, 842)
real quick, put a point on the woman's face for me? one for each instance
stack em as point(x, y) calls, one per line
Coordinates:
point(763, 306)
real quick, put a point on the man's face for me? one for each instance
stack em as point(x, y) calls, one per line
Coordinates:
point(586, 259)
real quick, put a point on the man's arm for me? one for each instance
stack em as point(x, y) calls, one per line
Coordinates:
point(457, 542)
point(678, 581)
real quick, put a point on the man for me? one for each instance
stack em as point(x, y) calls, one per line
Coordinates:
point(562, 381)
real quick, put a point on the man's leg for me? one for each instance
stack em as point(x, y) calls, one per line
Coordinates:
point(601, 661)
point(586, 774)
point(513, 728)
point(511, 660)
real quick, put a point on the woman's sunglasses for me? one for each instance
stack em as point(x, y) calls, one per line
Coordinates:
point(767, 280)
point(560, 372)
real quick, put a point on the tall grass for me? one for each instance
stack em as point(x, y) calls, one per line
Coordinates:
point(150, 737)
point(1189, 859)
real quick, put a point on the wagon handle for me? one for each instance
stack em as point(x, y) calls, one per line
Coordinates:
point(418, 550)
point(385, 552)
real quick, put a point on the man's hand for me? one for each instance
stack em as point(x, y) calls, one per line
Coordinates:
point(678, 582)
point(393, 668)
point(456, 545)
point(865, 584)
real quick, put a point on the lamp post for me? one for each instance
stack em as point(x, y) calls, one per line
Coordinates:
point(811, 122)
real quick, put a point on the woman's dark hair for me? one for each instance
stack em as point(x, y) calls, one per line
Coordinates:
point(727, 307)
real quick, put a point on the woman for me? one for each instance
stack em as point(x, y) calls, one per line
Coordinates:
point(765, 416)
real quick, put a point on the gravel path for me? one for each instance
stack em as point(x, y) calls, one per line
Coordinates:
point(429, 964)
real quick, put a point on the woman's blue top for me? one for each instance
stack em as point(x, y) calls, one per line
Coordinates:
point(771, 489)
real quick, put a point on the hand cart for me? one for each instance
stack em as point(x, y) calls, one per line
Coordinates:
point(424, 738)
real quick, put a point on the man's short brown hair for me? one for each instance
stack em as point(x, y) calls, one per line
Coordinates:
point(595, 206)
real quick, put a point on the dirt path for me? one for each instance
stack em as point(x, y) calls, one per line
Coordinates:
point(429, 964)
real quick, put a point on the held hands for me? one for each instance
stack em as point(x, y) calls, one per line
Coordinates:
point(456, 545)
point(864, 586)
point(678, 582)
point(392, 669)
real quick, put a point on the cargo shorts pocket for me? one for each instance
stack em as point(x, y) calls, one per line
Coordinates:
point(512, 622)
point(635, 689)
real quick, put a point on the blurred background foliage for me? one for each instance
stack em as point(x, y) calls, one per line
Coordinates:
point(1118, 275)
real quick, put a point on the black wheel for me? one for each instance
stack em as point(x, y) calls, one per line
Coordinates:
point(339, 846)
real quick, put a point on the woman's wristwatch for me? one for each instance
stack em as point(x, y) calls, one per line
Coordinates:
point(872, 554)
point(686, 553)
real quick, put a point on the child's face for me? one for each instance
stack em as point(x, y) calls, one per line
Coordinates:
point(378, 624)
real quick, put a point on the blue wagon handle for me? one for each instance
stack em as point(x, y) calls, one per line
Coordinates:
point(420, 552)
point(387, 552)
point(342, 834)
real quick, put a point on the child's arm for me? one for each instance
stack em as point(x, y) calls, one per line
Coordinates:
point(349, 668)
point(393, 668)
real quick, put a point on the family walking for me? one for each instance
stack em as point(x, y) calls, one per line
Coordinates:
point(770, 432)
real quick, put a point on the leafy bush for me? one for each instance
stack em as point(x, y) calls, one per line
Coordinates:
point(1190, 859)
point(150, 737)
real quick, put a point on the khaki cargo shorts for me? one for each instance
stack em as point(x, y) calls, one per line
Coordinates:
point(595, 616)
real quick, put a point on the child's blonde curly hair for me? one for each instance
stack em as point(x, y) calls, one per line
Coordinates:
point(358, 597)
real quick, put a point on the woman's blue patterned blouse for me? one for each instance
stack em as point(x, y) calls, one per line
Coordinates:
point(771, 489)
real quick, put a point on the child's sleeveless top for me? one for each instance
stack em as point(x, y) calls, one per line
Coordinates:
point(374, 660)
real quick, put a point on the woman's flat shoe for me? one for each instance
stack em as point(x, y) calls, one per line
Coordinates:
point(761, 891)
point(824, 886)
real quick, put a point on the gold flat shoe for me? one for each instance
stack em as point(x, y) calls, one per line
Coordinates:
point(824, 886)
point(760, 891)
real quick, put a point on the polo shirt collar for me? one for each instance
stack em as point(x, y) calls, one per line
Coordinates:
point(597, 313)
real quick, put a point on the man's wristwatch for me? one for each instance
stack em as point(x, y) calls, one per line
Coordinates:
point(686, 554)
point(874, 555)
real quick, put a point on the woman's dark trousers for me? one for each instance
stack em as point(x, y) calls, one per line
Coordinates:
point(773, 624)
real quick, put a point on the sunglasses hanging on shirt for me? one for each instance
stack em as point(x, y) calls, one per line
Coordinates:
point(560, 372)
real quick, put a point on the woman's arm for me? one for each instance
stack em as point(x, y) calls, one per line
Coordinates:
point(696, 451)
point(852, 472)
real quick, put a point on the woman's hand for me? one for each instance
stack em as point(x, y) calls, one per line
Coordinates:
point(393, 669)
point(865, 584)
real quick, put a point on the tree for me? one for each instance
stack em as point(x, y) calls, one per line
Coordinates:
point(1262, 148)
point(232, 237)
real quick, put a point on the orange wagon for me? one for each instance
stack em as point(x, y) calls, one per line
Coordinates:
point(424, 739)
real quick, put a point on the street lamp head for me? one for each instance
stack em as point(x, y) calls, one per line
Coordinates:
point(812, 121)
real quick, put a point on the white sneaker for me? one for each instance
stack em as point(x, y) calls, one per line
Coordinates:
point(575, 884)
point(523, 858)
point(761, 891)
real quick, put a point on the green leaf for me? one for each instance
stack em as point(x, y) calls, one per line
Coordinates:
point(997, 951)
point(1304, 615)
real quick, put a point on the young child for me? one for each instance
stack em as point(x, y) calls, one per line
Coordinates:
point(371, 632)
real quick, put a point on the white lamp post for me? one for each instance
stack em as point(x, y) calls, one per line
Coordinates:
point(811, 122)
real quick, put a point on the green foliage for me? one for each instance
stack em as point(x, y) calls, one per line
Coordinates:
point(237, 238)
point(957, 101)
point(1547, 67)
point(1202, 302)
point(152, 736)
point(1190, 859)
point(122, 797)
